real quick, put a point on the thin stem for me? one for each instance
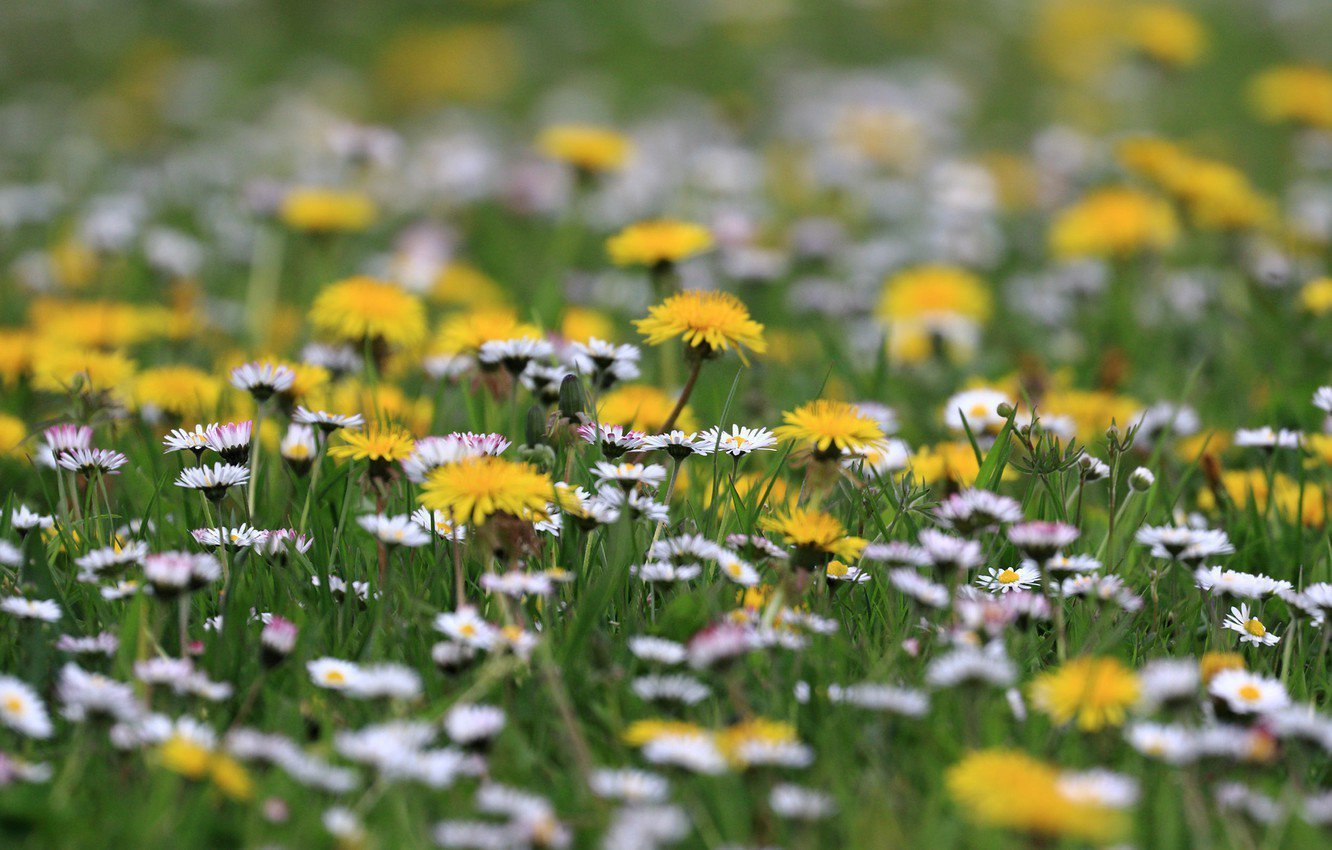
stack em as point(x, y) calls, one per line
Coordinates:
point(684, 395)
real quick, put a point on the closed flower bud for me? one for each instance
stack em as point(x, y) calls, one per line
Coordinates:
point(1141, 479)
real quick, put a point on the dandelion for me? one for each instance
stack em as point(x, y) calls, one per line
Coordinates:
point(1094, 691)
point(828, 428)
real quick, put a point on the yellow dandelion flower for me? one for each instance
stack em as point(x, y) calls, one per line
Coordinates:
point(814, 532)
point(1010, 789)
point(182, 392)
point(326, 211)
point(1299, 95)
point(15, 355)
point(376, 443)
point(464, 285)
point(657, 243)
point(363, 308)
point(62, 369)
point(1315, 296)
point(1212, 663)
point(465, 333)
point(422, 66)
point(1166, 34)
point(641, 408)
point(945, 462)
point(474, 489)
point(579, 324)
point(588, 148)
point(707, 321)
point(935, 291)
point(1097, 692)
point(1114, 222)
point(13, 433)
point(642, 732)
point(90, 324)
point(828, 427)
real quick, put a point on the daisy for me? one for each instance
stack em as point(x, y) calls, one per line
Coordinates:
point(738, 570)
point(1009, 579)
point(327, 422)
point(918, 587)
point(1249, 585)
point(466, 626)
point(1184, 543)
point(988, 666)
point(794, 802)
point(1322, 399)
point(89, 461)
point(629, 785)
point(235, 539)
point(261, 379)
point(838, 572)
point(1169, 681)
point(1042, 540)
point(1250, 628)
point(517, 584)
point(1071, 564)
point(84, 695)
point(605, 362)
point(614, 440)
point(665, 573)
point(656, 649)
point(1248, 693)
point(22, 710)
point(947, 552)
point(678, 444)
point(969, 511)
point(979, 408)
point(1268, 439)
point(438, 523)
point(685, 690)
point(179, 439)
point(283, 541)
point(44, 610)
point(878, 697)
point(431, 453)
point(278, 638)
point(629, 475)
point(333, 673)
point(471, 724)
point(231, 441)
point(739, 441)
point(175, 572)
point(67, 438)
point(513, 354)
point(213, 481)
point(23, 519)
point(1169, 743)
point(103, 643)
point(399, 530)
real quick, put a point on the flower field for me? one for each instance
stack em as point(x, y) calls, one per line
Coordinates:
point(711, 424)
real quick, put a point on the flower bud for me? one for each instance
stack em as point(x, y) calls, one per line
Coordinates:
point(1141, 479)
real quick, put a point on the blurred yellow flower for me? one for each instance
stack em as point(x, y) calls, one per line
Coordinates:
point(464, 285)
point(474, 489)
point(642, 408)
point(424, 66)
point(326, 211)
point(656, 243)
point(586, 147)
point(1096, 692)
point(465, 333)
point(13, 433)
point(361, 309)
point(1010, 789)
point(184, 393)
point(1316, 296)
point(579, 324)
point(1167, 34)
point(1114, 222)
point(1299, 95)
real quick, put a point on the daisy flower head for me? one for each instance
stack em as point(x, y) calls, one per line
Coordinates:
point(42, 610)
point(1246, 693)
point(213, 481)
point(399, 530)
point(298, 447)
point(1220, 582)
point(325, 421)
point(172, 573)
point(614, 440)
point(1250, 629)
point(1322, 399)
point(231, 441)
point(514, 354)
point(708, 322)
point(430, 453)
point(976, 409)
point(181, 439)
point(948, 553)
point(24, 519)
point(828, 428)
point(678, 444)
point(1184, 543)
point(1096, 692)
point(474, 489)
point(22, 710)
point(262, 378)
point(739, 441)
point(1042, 540)
point(92, 461)
point(1008, 579)
point(629, 475)
point(657, 244)
point(363, 309)
point(234, 539)
point(973, 510)
point(1267, 438)
point(438, 523)
point(605, 362)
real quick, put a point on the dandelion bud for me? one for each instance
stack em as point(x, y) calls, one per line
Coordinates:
point(535, 431)
point(572, 400)
point(1141, 479)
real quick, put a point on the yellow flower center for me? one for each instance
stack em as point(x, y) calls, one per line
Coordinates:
point(13, 705)
point(335, 677)
point(1255, 628)
point(1008, 576)
point(1250, 693)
